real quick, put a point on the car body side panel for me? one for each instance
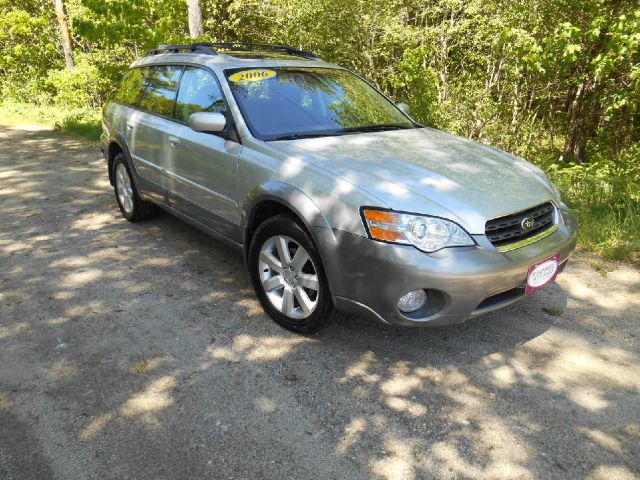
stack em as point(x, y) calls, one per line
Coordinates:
point(114, 130)
point(203, 172)
point(147, 140)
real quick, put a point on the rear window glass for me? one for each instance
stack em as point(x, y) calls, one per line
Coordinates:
point(132, 87)
point(161, 87)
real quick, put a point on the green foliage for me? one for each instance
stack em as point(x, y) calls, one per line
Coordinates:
point(82, 124)
point(554, 81)
point(86, 85)
point(28, 49)
point(606, 197)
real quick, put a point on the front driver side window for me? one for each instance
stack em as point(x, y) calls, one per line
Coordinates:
point(199, 92)
point(161, 83)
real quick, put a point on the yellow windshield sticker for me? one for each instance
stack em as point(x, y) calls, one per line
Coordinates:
point(252, 75)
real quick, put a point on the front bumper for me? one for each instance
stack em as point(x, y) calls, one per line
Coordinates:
point(367, 277)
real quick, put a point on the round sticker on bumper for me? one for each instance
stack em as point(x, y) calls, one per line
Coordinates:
point(252, 75)
point(542, 273)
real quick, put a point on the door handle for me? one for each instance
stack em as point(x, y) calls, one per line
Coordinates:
point(173, 141)
point(129, 126)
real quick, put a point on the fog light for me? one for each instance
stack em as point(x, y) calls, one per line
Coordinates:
point(412, 301)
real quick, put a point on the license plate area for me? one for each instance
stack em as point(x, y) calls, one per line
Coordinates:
point(542, 273)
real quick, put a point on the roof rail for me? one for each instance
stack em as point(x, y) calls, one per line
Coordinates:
point(194, 47)
point(211, 48)
point(249, 46)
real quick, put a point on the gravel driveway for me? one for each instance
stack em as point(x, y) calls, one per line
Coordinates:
point(140, 352)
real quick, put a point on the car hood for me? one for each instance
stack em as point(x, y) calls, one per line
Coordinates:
point(428, 171)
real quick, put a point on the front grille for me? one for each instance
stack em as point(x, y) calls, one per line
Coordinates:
point(505, 230)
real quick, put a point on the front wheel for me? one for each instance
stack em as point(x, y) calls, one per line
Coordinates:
point(288, 278)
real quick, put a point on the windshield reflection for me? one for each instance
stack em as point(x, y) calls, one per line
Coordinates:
point(302, 102)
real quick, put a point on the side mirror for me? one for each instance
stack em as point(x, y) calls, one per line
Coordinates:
point(209, 122)
point(404, 107)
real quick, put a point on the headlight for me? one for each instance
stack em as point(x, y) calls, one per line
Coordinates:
point(423, 232)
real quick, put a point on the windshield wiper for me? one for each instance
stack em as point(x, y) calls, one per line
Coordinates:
point(342, 131)
point(296, 136)
point(377, 128)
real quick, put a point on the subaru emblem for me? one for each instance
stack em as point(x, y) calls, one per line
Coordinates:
point(527, 223)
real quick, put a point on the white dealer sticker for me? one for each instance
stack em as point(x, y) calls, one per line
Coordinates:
point(542, 274)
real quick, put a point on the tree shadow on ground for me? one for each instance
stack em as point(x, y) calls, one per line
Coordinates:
point(140, 351)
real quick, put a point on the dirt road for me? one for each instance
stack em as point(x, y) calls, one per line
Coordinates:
point(140, 352)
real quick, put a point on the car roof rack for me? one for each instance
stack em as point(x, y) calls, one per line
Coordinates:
point(263, 47)
point(193, 48)
point(209, 48)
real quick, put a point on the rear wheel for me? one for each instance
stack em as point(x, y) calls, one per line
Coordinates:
point(287, 275)
point(133, 208)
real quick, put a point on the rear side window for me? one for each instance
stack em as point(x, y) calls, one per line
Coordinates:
point(161, 87)
point(132, 87)
point(199, 92)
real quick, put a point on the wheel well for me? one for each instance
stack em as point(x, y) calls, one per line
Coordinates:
point(268, 209)
point(112, 152)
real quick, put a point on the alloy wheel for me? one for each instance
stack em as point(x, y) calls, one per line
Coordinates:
point(289, 277)
point(124, 188)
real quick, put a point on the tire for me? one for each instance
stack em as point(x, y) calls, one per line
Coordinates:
point(132, 207)
point(287, 290)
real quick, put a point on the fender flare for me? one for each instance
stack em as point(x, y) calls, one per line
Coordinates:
point(288, 196)
point(119, 140)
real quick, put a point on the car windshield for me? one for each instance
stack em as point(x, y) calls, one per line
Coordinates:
point(297, 102)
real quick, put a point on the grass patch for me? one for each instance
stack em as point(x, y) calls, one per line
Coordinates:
point(83, 123)
point(142, 367)
point(605, 196)
point(86, 126)
point(611, 232)
point(553, 311)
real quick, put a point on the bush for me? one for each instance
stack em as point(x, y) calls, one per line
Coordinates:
point(605, 194)
point(86, 85)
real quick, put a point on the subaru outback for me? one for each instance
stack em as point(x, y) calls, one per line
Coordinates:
point(337, 198)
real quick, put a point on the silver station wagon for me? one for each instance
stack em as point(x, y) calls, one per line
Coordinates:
point(339, 201)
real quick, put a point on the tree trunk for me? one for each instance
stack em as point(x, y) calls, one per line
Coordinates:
point(195, 18)
point(574, 144)
point(65, 35)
